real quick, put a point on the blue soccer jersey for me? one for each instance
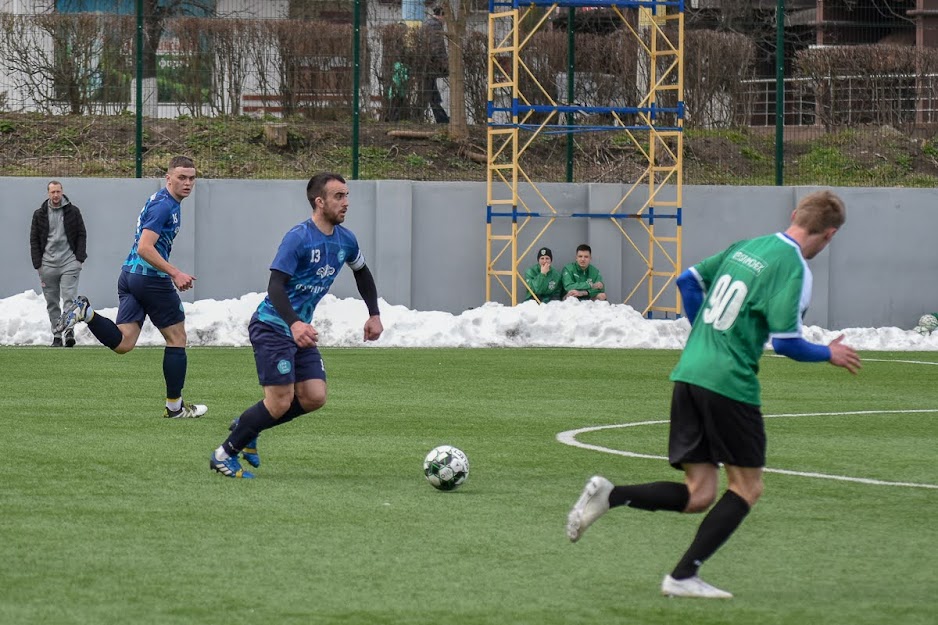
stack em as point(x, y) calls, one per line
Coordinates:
point(312, 260)
point(162, 215)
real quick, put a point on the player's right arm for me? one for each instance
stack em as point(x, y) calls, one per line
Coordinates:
point(694, 282)
point(692, 293)
point(146, 249)
point(304, 334)
point(536, 280)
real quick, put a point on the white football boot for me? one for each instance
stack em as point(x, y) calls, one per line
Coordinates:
point(691, 587)
point(592, 504)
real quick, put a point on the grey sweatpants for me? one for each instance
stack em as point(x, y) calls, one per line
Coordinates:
point(59, 284)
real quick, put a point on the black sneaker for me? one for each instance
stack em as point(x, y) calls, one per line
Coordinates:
point(56, 341)
point(186, 411)
point(69, 339)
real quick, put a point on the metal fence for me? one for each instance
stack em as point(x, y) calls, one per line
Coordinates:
point(846, 101)
point(397, 88)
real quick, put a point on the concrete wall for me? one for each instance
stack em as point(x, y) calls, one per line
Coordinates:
point(425, 241)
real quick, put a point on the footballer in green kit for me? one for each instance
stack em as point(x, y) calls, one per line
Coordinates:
point(754, 291)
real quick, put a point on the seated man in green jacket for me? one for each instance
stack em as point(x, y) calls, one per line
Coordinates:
point(581, 279)
point(542, 279)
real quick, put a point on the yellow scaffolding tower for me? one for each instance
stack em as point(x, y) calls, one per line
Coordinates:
point(654, 125)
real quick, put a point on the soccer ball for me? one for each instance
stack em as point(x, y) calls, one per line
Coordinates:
point(928, 323)
point(446, 467)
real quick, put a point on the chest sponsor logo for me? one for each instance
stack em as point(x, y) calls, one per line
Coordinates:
point(325, 271)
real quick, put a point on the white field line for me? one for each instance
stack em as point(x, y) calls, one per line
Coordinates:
point(569, 438)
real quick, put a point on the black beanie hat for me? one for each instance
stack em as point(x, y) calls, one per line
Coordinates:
point(545, 251)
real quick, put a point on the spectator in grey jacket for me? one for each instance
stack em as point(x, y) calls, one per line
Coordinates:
point(57, 243)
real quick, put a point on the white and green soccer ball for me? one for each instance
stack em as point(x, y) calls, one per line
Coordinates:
point(446, 467)
point(927, 323)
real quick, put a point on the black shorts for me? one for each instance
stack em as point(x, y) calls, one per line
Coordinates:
point(707, 427)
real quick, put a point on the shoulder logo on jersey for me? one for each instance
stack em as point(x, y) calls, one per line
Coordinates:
point(341, 256)
point(756, 265)
point(325, 271)
point(284, 366)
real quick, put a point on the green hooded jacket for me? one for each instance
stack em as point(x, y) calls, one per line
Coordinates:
point(576, 279)
point(546, 286)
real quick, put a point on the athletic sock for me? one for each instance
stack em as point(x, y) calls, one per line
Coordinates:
point(174, 370)
point(717, 526)
point(105, 331)
point(671, 496)
point(252, 422)
point(295, 410)
point(174, 404)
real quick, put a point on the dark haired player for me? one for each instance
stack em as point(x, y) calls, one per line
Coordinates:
point(289, 365)
point(147, 288)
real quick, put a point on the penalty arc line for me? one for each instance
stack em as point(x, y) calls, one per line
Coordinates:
point(569, 438)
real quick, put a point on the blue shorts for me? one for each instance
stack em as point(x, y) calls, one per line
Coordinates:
point(148, 296)
point(279, 360)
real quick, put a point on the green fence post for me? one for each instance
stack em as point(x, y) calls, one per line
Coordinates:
point(138, 121)
point(780, 93)
point(356, 87)
point(571, 67)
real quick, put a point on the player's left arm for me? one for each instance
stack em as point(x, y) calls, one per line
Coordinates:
point(599, 285)
point(836, 353)
point(783, 316)
point(369, 292)
point(801, 350)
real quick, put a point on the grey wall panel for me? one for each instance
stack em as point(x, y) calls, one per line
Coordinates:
point(425, 241)
point(390, 259)
point(883, 262)
point(448, 247)
point(239, 228)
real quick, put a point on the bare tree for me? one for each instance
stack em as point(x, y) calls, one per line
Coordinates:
point(456, 17)
point(74, 63)
point(155, 16)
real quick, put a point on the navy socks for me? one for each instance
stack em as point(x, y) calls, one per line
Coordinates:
point(105, 331)
point(175, 363)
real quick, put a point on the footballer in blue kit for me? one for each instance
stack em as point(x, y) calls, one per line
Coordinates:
point(147, 287)
point(289, 365)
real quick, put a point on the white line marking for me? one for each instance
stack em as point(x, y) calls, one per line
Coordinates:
point(569, 438)
point(910, 362)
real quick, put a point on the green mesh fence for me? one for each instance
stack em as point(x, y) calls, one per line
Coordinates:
point(267, 89)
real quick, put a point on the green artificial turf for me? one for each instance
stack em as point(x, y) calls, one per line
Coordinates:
point(109, 513)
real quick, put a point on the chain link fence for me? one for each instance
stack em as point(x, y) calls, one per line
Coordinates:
point(398, 88)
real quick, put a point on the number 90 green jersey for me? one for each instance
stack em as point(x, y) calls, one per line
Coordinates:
point(755, 290)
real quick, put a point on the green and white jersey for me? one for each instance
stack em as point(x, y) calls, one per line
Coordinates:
point(754, 290)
